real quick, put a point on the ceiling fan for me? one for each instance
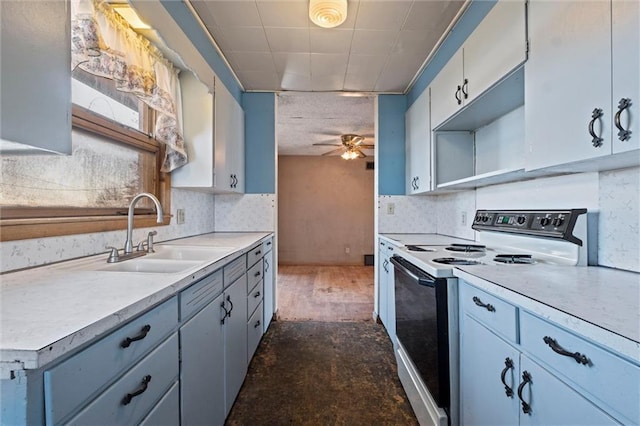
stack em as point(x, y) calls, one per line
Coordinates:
point(351, 146)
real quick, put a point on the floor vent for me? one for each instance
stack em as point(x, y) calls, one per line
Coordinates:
point(370, 165)
point(368, 260)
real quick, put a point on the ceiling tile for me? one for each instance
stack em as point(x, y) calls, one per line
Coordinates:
point(288, 39)
point(398, 72)
point(204, 12)
point(284, 14)
point(366, 64)
point(254, 61)
point(327, 82)
point(382, 15)
point(330, 40)
point(415, 42)
point(248, 39)
point(298, 82)
point(232, 13)
point(360, 82)
point(373, 42)
point(323, 64)
point(260, 80)
point(292, 63)
point(432, 14)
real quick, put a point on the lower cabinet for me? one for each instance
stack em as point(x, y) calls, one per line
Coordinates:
point(167, 411)
point(235, 339)
point(386, 289)
point(504, 382)
point(269, 271)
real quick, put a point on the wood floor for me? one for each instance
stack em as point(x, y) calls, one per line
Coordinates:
point(325, 293)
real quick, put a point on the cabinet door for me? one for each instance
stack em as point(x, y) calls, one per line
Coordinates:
point(554, 403)
point(497, 46)
point(383, 268)
point(223, 136)
point(202, 367)
point(391, 299)
point(36, 74)
point(626, 68)
point(446, 99)
point(237, 149)
point(235, 339)
point(568, 75)
point(487, 366)
point(418, 145)
point(268, 289)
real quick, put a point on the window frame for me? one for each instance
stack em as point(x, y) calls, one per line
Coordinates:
point(22, 223)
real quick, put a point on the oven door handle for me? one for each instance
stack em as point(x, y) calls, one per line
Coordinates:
point(419, 280)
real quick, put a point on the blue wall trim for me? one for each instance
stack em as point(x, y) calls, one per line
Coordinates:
point(259, 143)
point(391, 162)
point(468, 22)
point(192, 29)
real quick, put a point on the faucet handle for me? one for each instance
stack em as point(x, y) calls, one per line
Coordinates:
point(150, 236)
point(113, 255)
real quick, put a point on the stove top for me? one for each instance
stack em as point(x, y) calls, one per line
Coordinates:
point(456, 261)
point(466, 248)
point(419, 248)
point(512, 259)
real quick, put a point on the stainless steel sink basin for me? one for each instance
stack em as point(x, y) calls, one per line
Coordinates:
point(151, 266)
point(176, 252)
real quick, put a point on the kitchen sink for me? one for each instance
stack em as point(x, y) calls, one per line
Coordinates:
point(189, 252)
point(151, 266)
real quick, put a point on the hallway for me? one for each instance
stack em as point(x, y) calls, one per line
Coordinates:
point(324, 361)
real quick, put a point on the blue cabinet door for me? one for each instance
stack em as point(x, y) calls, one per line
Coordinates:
point(235, 339)
point(484, 357)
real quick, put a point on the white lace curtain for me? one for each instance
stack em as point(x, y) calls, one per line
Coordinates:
point(103, 43)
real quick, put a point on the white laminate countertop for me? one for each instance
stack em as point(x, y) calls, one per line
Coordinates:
point(424, 239)
point(600, 303)
point(48, 311)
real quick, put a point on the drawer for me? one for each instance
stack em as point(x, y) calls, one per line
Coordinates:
point(160, 366)
point(167, 411)
point(254, 332)
point(495, 313)
point(254, 275)
point(254, 255)
point(253, 299)
point(607, 377)
point(234, 269)
point(200, 294)
point(267, 245)
point(81, 377)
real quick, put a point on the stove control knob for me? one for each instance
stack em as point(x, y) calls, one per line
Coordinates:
point(478, 219)
point(521, 220)
point(485, 218)
point(558, 221)
point(545, 221)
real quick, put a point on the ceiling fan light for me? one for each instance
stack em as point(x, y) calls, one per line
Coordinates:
point(328, 13)
point(345, 155)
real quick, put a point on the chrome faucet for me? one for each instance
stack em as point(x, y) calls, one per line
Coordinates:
point(128, 245)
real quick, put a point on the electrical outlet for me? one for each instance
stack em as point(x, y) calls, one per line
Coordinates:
point(347, 249)
point(180, 216)
point(463, 218)
point(391, 208)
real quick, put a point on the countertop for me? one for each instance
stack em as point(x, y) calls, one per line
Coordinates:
point(602, 304)
point(424, 239)
point(48, 311)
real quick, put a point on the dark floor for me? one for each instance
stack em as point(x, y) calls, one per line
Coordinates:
point(323, 373)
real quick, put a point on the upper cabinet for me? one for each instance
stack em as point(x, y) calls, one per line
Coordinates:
point(214, 135)
point(582, 93)
point(418, 146)
point(496, 47)
point(36, 76)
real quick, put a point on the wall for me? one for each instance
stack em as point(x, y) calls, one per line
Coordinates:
point(325, 205)
point(390, 159)
point(260, 142)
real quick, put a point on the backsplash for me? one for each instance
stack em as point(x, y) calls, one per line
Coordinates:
point(39, 251)
point(411, 214)
point(450, 211)
point(245, 213)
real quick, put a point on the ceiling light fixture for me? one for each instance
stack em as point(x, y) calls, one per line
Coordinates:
point(349, 155)
point(328, 13)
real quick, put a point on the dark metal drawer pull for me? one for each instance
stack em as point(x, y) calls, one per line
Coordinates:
point(226, 313)
point(488, 306)
point(257, 274)
point(597, 140)
point(256, 295)
point(231, 303)
point(257, 324)
point(623, 134)
point(258, 253)
point(526, 378)
point(143, 387)
point(553, 344)
point(143, 333)
point(508, 365)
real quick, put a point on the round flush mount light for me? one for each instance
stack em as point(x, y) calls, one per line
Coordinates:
point(328, 13)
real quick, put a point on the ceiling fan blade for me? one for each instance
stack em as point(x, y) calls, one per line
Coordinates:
point(333, 151)
point(327, 144)
point(360, 153)
point(367, 146)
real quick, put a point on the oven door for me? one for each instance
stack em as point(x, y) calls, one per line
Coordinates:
point(422, 326)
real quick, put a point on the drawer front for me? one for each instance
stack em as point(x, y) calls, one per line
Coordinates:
point(254, 255)
point(79, 378)
point(200, 294)
point(254, 275)
point(609, 378)
point(267, 245)
point(167, 411)
point(253, 299)
point(119, 405)
point(495, 313)
point(254, 332)
point(233, 270)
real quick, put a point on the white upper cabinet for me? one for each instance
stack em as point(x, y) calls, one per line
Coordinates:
point(495, 48)
point(575, 80)
point(418, 146)
point(214, 135)
point(35, 89)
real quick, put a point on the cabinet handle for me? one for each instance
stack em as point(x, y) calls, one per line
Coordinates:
point(266, 265)
point(417, 182)
point(143, 387)
point(231, 303)
point(553, 344)
point(256, 295)
point(458, 98)
point(258, 253)
point(257, 324)
point(597, 140)
point(226, 313)
point(257, 274)
point(508, 365)
point(488, 306)
point(384, 265)
point(465, 86)
point(623, 134)
point(526, 378)
point(143, 333)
